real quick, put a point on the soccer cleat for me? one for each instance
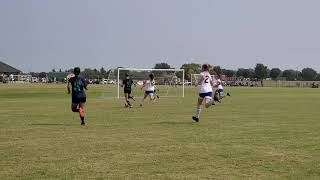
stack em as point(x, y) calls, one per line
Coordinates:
point(82, 122)
point(228, 94)
point(195, 119)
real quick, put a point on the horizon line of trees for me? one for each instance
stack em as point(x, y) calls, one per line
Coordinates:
point(259, 72)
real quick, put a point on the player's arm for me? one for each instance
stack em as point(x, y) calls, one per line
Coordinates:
point(85, 84)
point(122, 83)
point(214, 83)
point(68, 86)
point(144, 84)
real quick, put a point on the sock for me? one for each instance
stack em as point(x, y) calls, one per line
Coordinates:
point(81, 112)
point(128, 102)
point(82, 120)
point(198, 110)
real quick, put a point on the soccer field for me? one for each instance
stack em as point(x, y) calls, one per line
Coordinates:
point(258, 133)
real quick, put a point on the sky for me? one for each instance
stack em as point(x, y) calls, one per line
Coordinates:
point(39, 35)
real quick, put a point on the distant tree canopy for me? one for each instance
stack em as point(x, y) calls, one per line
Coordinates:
point(228, 72)
point(190, 69)
point(217, 70)
point(309, 74)
point(162, 65)
point(246, 73)
point(289, 74)
point(261, 71)
point(275, 73)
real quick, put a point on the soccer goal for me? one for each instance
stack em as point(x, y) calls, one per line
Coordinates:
point(195, 79)
point(169, 82)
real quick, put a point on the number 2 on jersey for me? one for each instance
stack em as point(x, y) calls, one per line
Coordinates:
point(206, 79)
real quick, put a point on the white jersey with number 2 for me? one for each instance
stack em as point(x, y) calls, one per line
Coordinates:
point(206, 82)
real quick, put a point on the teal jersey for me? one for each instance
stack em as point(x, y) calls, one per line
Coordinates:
point(127, 83)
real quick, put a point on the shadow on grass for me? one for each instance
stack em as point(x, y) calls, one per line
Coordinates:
point(174, 123)
point(50, 124)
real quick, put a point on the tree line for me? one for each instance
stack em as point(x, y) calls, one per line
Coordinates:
point(259, 72)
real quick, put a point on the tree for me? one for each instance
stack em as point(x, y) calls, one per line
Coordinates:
point(189, 69)
point(88, 73)
point(251, 73)
point(261, 71)
point(103, 73)
point(53, 70)
point(289, 74)
point(275, 73)
point(42, 75)
point(217, 69)
point(308, 74)
point(69, 70)
point(298, 76)
point(228, 72)
point(34, 74)
point(162, 65)
point(60, 70)
point(318, 77)
point(243, 73)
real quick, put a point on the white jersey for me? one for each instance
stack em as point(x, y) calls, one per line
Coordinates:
point(220, 84)
point(206, 82)
point(150, 85)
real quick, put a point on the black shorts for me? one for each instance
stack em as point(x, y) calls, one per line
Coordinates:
point(79, 100)
point(127, 90)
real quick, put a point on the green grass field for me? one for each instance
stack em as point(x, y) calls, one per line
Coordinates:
point(258, 133)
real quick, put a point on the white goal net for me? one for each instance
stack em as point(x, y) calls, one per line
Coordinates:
point(169, 82)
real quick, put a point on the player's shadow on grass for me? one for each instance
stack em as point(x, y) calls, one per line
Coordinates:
point(172, 123)
point(50, 124)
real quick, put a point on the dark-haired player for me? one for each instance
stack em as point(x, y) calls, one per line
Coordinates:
point(127, 84)
point(150, 84)
point(77, 86)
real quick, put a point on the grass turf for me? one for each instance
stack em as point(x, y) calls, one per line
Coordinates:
point(258, 133)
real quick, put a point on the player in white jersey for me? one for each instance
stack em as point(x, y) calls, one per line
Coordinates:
point(150, 90)
point(219, 93)
point(205, 94)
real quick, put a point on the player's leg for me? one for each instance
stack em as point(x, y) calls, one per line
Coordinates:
point(75, 107)
point(131, 97)
point(82, 112)
point(216, 96)
point(144, 97)
point(208, 100)
point(151, 96)
point(198, 109)
point(126, 101)
point(156, 94)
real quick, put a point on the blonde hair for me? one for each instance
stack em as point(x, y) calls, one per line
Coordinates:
point(207, 67)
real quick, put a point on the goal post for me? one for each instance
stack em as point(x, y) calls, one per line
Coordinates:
point(164, 77)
